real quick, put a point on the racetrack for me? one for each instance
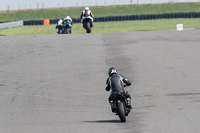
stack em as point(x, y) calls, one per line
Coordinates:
point(55, 83)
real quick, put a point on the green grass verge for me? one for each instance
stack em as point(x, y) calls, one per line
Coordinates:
point(105, 27)
point(99, 11)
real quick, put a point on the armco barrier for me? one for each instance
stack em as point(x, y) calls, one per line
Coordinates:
point(33, 22)
point(125, 18)
point(54, 21)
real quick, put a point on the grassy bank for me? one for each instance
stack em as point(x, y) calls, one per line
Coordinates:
point(105, 27)
point(99, 11)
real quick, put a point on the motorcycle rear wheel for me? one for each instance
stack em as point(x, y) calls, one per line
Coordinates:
point(121, 112)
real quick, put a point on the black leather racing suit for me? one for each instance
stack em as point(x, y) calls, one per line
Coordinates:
point(116, 83)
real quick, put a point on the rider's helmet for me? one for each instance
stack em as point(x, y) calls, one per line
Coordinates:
point(67, 17)
point(111, 71)
point(87, 8)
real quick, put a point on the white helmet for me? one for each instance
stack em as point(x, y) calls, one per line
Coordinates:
point(68, 17)
point(86, 8)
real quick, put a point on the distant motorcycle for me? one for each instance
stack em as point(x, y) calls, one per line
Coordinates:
point(120, 103)
point(66, 28)
point(87, 23)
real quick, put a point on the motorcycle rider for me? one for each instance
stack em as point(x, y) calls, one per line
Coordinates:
point(59, 25)
point(87, 11)
point(68, 18)
point(116, 83)
point(61, 22)
point(70, 21)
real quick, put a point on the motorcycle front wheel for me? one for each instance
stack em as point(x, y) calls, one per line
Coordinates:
point(88, 28)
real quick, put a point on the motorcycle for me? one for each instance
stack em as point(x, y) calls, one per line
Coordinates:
point(66, 28)
point(87, 23)
point(121, 105)
point(59, 26)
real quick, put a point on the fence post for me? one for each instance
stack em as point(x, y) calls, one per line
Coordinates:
point(8, 8)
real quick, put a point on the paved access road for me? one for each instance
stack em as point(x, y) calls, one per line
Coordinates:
point(55, 83)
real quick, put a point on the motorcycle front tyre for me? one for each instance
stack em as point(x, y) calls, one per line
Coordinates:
point(88, 28)
point(60, 31)
point(121, 112)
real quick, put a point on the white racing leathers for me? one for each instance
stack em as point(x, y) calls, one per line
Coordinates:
point(60, 22)
point(59, 25)
point(87, 14)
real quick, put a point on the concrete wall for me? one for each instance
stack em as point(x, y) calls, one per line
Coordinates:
point(11, 24)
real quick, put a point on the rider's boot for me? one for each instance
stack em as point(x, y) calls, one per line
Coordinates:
point(91, 24)
point(129, 103)
point(113, 108)
point(83, 25)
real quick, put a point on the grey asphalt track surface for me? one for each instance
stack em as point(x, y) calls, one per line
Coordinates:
point(55, 83)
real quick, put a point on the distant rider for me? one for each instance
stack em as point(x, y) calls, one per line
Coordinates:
point(68, 18)
point(59, 25)
point(87, 12)
point(116, 83)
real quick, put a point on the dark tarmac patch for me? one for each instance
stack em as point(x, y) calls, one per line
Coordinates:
point(182, 94)
point(103, 121)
